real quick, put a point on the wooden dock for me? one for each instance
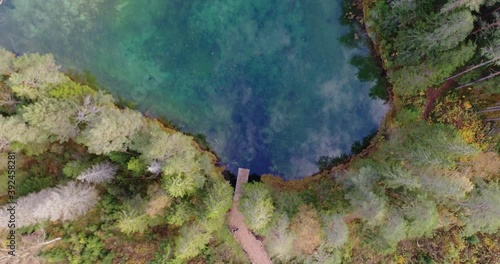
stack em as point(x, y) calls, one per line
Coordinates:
point(242, 178)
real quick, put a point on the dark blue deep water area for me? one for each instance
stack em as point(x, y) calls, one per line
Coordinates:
point(267, 81)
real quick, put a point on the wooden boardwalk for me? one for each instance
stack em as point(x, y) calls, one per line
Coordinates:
point(250, 244)
point(242, 178)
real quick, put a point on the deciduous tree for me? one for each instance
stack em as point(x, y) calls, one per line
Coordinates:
point(335, 230)
point(279, 241)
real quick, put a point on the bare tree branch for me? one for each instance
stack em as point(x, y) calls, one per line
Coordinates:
point(472, 68)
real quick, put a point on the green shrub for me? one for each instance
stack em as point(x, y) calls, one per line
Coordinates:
point(119, 157)
point(70, 89)
point(137, 166)
point(74, 168)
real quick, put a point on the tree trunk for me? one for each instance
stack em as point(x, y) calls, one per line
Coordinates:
point(479, 80)
point(470, 69)
point(486, 27)
point(490, 109)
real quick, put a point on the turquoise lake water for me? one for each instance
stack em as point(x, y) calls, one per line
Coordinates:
point(266, 81)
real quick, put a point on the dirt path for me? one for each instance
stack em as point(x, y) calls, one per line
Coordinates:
point(433, 94)
point(250, 244)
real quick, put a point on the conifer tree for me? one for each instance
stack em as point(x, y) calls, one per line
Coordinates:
point(6, 61)
point(191, 241)
point(482, 210)
point(256, 206)
point(111, 130)
point(34, 74)
point(13, 129)
point(52, 116)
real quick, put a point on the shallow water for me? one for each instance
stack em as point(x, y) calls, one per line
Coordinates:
point(266, 81)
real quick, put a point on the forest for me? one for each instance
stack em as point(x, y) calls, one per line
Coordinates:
point(98, 182)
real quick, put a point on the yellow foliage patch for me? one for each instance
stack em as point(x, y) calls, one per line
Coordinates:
point(306, 226)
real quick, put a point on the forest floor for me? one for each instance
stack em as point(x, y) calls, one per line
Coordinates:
point(250, 244)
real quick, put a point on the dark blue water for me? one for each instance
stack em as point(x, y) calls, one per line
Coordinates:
point(267, 82)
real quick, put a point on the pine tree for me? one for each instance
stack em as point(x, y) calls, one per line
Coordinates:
point(324, 254)
point(182, 175)
point(183, 183)
point(191, 241)
point(52, 116)
point(157, 143)
point(13, 129)
point(422, 216)
point(392, 231)
point(218, 200)
point(6, 61)
point(111, 130)
point(256, 206)
point(482, 210)
point(71, 90)
point(130, 221)
point(180, 213)
point(34, 74)
point(412, 79)
point(370, 203)
point(443, 185)
point(396, 176)
point(452, 30)
point(472, 5)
